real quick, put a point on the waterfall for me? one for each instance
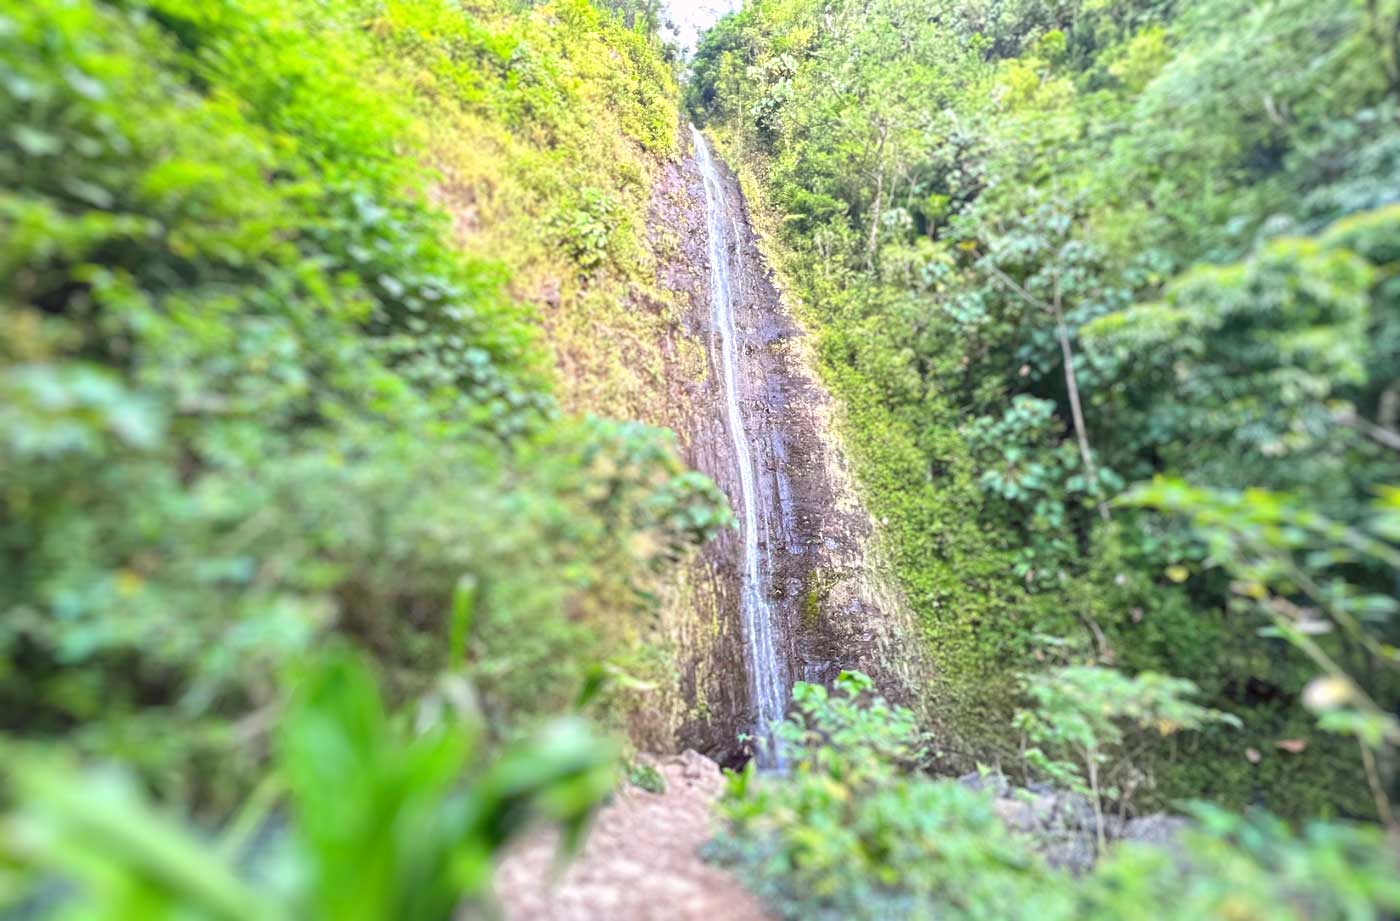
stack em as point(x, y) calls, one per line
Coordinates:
point(766, 681)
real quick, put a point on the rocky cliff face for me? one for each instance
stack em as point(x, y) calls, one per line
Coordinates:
point(834, 609)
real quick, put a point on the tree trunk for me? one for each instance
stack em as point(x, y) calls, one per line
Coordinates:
point(1091, 472)
point(1071, 380)
point(1387, 38)
point(1099, 837)
point(879, 199)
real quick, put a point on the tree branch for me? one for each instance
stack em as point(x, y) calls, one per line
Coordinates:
point(1387, 438)
point(1086, 454)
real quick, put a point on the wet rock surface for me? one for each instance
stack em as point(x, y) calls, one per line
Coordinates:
point(703, 619)
point(832, 609)
point(641, 858)
point(1062, 823)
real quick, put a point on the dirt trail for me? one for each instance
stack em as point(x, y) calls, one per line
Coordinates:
point(641, 861)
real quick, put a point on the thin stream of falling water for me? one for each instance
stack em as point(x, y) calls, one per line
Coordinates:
point(755, 609)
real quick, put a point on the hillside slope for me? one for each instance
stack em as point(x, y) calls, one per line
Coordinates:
point(1053, 250)
point(259, 393)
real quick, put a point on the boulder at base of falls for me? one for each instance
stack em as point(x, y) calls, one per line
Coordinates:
point(1062, 822)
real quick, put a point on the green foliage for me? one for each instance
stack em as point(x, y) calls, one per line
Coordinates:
point(1250, 866)
point(546, 125)
point(251, 391)
point(1185, 209)
point(1252, 360)
point(1041, 476)
point(586, 230)
point(1081, 721)
point(1294, 569)
point(646, 776)
point(840, 732)
point(843, 834)
point(847, 834)
point(382, 822)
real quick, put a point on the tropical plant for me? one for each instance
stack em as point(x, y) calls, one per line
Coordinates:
point(1085, 713)
point(360, 818)
point(849, 834)
point(1297, 571)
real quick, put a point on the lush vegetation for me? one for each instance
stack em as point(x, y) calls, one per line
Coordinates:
point(851, 832)
point(385, 822)
point(259, 394)
point(326, 327)
point(1052, 249)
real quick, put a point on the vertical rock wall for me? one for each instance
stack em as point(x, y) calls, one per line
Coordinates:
point(835, 609)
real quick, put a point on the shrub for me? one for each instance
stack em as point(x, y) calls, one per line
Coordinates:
point(381, 822)
point(849, 832)
point(251, 393)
